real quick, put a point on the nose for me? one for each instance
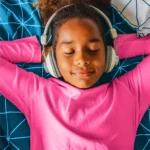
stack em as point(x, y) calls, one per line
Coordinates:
point(82, 59)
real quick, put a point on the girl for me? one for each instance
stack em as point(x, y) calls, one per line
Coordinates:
point(74, 114)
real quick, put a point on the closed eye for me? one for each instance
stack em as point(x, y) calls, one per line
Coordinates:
point(94, 51)
point(91, 51)
point(69, 53)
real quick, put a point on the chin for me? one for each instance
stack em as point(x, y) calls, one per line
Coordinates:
point(83, 85)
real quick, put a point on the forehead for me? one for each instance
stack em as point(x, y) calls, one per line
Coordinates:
point(79, 27)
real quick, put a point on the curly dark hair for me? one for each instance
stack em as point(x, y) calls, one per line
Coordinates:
point(80, 9)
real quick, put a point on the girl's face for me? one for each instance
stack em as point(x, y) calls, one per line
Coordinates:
point(80, 52)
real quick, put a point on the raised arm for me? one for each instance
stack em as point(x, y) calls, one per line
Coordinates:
point(16, 84)
point(129, 45)
point(22, 50)
point(138, 80)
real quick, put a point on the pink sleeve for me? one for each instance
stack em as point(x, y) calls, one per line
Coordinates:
point(16, 84)
point(22, 50)
point(129, 45)
point(138, 80)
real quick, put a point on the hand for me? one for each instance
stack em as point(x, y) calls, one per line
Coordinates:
point(47, 50)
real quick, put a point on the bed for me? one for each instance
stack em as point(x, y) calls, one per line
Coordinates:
point(19, 19)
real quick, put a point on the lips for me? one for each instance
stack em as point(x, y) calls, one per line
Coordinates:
point(83, 73)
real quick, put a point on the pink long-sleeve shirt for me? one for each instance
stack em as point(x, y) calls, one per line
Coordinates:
point(63, 117)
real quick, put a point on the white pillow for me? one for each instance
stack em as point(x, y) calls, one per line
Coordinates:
point(136, 13)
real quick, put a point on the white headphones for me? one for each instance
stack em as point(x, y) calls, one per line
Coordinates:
point(50, 64)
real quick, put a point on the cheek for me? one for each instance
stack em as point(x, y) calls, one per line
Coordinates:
point(64, 64)
point(99, 68)
point(99, 61)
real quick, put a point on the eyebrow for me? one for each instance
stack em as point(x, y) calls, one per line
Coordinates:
point(94, 40)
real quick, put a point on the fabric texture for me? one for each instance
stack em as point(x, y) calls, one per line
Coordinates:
point(136, 13)
point(73, 116)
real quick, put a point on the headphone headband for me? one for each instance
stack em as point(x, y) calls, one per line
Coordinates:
point(44, 40)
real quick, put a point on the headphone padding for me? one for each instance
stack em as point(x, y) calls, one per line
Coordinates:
point(111, 59)
point(50, 65)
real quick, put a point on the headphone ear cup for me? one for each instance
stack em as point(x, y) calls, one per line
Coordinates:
point(111, 59)
point(50, 65)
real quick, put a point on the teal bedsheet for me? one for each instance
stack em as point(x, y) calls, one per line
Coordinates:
point(19, 19)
